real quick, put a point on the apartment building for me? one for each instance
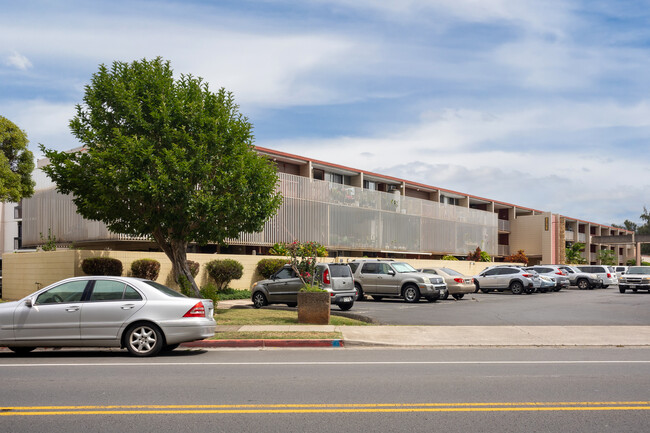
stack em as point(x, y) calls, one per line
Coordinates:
point(354, 213)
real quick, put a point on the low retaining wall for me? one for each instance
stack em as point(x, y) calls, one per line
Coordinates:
point(24, 273)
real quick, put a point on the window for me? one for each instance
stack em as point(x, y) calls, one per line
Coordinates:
point(164, 289)
point(107, 291)
point(368, 184)
point(285, 273)
point(132, 294)
point(71, 291)
point(338, 271)
point(370, 268)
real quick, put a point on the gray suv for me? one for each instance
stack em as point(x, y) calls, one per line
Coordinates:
point(284, 285)
point(385, 278)
point(560, 275)
point(512, 278)
point(580, 279)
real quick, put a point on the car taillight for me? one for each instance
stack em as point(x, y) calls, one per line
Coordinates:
point(559, 273)
point(528, 275)
point(196, 311)
point(326, 276)
point(458, 280)
point(609, 275)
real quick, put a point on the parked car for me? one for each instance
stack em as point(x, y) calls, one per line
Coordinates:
point(603, 272)
point(548, 283)
point(143, 316)
point(512, 278)
point(559, 275)
point(582, 280)
point(284, 285)
point(620, 270)
point(636, 278)
point(384, 278)
point(457, 283)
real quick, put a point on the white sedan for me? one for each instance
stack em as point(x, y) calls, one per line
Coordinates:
point(141, 315)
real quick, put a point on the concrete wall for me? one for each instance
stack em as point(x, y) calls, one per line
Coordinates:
point(25, 273)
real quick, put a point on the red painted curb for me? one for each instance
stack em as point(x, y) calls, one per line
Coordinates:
point(264, 343)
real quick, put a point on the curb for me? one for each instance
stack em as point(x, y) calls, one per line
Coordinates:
point(263, 343)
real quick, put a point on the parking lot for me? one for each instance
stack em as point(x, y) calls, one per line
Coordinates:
point(568, 307)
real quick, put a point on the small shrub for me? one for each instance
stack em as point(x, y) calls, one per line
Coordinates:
point(146, 268)
point(450, 258)
point(194, 267)
point(224, 271)
point(228, 294)
point(268, 267)
point(210, 292)
point(485, 257)
point(520, 257)
point(102, 266)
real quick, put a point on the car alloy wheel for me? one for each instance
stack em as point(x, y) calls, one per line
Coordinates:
point(516, 288)
point(144, 340)
point(411, 294)
point(259, 300)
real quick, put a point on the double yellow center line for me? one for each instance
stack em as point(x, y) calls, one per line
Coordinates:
point(324, 408)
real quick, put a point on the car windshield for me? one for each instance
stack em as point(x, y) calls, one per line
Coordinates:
point(643, 270)
point(403, 267)
point(452, 272)
point(164, 289)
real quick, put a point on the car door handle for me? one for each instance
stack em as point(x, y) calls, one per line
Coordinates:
point(127, 306)
point(72, 309)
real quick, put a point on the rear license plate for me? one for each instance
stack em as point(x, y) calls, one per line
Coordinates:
point(347, 299)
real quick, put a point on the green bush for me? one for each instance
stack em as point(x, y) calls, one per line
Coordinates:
point(210, 292)
point(146, 268)
point(268, 267)
point(194, 267)
point(102, 266)
point(224, 271)
point(450, 258)
point(228, 294)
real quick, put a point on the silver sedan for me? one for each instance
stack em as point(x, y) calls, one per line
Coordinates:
point(141, 315)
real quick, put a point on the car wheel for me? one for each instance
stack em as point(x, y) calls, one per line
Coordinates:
point(377, 298)
point(543, 290)
point(477, 288)
point(444, 297)
point(516, 288)
point(345, 306)
point(143, 339)
point(529, 290)
point(458, 295)
point(360, 295)
point(583, 284)
point(411, 293)
point(292, 304)
point(259, 300)
point(170, 347)
point(485, 290)
point(621, 289)
point(21, 350)
point(604, 286)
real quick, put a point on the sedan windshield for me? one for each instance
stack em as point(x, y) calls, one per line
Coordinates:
point(164, 289)
point(403, 267)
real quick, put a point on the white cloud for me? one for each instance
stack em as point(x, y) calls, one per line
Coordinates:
point(18, 61)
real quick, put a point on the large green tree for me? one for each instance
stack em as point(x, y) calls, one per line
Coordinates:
point(165, 158)
point(574, 254)
point(16, 163)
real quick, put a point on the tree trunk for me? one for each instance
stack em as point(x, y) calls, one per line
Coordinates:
point(177, 252)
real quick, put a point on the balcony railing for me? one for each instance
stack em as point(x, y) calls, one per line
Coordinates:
point(504, 225)
point(504, 250)
point(582, 237)
point(569, 236)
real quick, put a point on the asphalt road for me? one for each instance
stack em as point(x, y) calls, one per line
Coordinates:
point(328, 390)
point(604, 307)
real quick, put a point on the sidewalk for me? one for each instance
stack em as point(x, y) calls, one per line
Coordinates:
point(441, 336)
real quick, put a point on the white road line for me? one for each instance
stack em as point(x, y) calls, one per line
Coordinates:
point(309, 363)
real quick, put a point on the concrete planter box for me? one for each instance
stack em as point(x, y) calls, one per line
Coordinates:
point(314, 308)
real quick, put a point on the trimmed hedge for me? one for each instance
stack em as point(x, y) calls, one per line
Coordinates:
point(146, 268)
point(268, 267)
point(224, 271)
point(102, 266)
point(194, 267)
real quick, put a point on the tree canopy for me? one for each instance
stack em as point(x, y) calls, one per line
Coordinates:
point(165, 158)
point(642, 229)
point(16, 163)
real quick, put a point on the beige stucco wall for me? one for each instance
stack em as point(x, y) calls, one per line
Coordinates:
point(24, 273)
point(528, 233)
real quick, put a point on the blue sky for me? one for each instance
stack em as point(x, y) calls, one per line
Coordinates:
point(544, 104)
